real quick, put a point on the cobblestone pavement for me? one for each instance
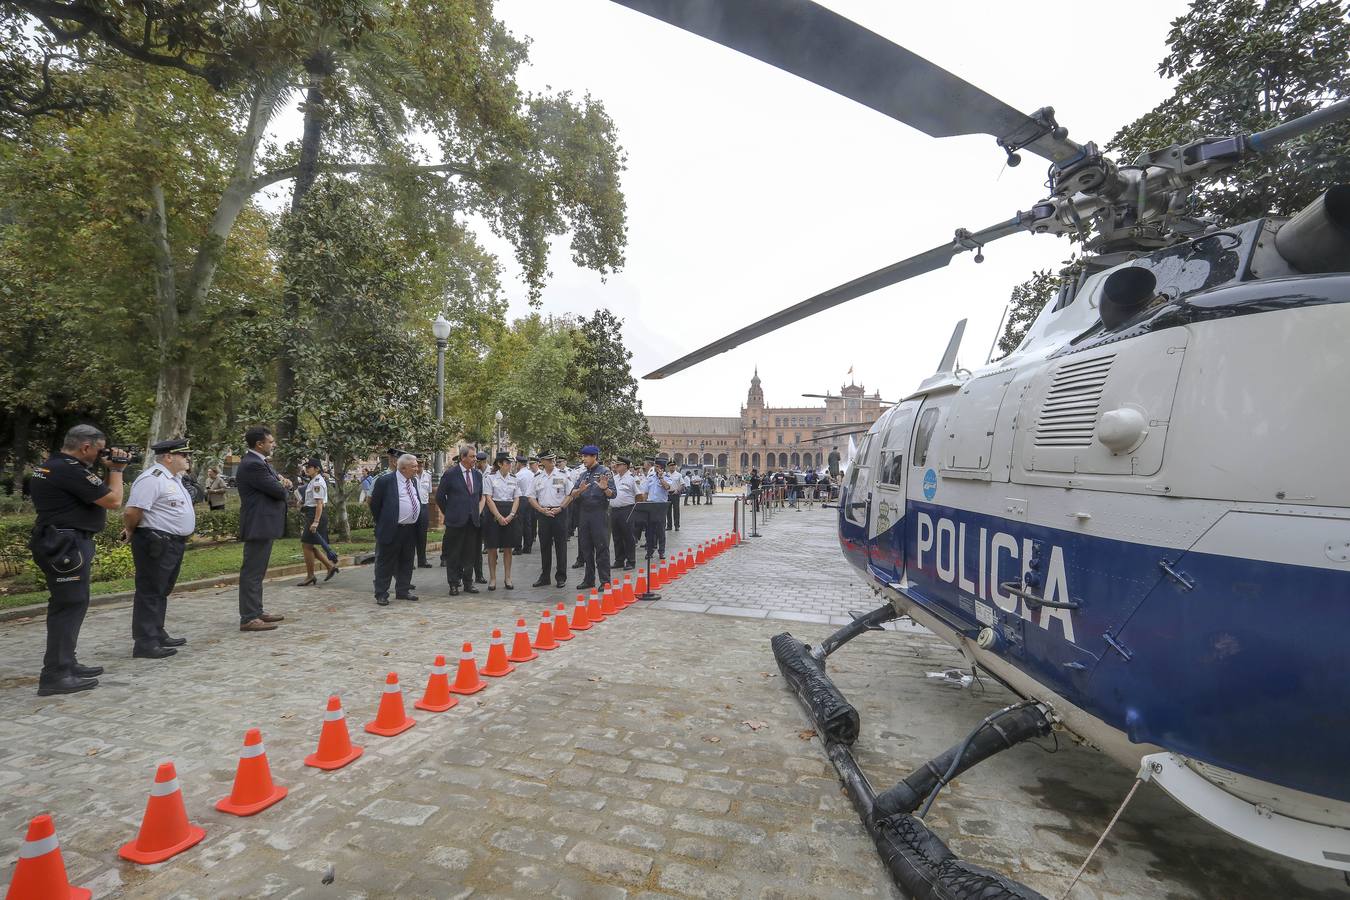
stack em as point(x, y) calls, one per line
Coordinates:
point(655, 755)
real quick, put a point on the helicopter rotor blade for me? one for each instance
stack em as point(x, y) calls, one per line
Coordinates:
point(920, 264)
point(807, 40)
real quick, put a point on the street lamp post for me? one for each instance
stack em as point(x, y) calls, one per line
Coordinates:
point(441, 329)
point(499, 433)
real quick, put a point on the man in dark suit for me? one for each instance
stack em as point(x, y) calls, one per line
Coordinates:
point(460, 496)
point(262, 519)
point(397, 507)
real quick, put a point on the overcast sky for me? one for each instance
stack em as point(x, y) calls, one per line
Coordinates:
point(749, 189)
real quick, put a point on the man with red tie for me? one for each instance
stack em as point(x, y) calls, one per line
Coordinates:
point(460, 498)
point(397, 507)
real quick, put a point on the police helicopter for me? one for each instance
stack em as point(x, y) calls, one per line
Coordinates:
point(1139, 520)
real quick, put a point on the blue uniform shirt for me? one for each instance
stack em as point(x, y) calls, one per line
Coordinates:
point(654, 486)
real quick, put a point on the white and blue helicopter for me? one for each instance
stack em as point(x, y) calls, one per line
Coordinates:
point(1139, 520)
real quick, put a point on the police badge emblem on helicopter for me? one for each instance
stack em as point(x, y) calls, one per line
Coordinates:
point(1139, 520)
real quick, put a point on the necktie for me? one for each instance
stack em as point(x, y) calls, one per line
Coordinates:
point(408, 487)
point(468, 482)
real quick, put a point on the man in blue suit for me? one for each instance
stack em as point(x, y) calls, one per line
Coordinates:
point(396, 507)
point(262, 519)
point(460, 498)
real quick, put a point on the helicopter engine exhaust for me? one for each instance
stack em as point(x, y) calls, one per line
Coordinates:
point(1317, 239)
point(920, 863)
point(1125, 293)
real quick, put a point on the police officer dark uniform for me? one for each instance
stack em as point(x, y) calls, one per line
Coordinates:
point(550, 499)
point(625, 485)
point(72, 506)
point(478, 578)
point(159, 519)
point(592, 494)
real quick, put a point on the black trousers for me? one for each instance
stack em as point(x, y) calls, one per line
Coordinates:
point(656, 538)
point(423, 522)
point(251, 572)
point(158, 559)
point(460, 549)
point(673, 513)
point(478, 550)
point(621, 529)
point(553, 545)
point(529, 525)
point(593, 542)
point(394, 559)
point(66, 606)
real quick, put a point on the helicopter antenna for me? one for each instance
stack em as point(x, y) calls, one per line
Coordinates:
point(993, 345)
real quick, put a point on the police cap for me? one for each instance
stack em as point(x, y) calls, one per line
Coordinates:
point(501, 455)
point(313, 463)
point(172, 445)
point(522, 459)
point(590, 450)
point(545, 456)
point(393, 451)
point(482, 454)
point(625, 460)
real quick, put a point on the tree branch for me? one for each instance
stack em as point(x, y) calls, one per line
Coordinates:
point(288, 172)
point(106, 27)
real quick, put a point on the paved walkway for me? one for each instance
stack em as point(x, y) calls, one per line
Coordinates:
point(656, 755)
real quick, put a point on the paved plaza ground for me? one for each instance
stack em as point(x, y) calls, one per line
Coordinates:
point(656, 755)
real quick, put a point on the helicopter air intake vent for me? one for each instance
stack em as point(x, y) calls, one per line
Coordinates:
point(1069, 413)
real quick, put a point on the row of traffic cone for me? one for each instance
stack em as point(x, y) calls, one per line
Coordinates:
point(682, 561)
point(165, 830)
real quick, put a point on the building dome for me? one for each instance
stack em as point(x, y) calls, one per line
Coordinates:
point(756, 395)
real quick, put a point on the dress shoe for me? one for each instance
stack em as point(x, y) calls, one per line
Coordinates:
point(331, 572)
point(578, 564)
point(541, 582)
point(470, 589)
point(166, 641)
point(257, 625)
point(585, 585)
point(70, 684)
point(454, 591)
point(86, 671)
point(308, 581)
point(410, 597)
point(153, 652)
point(479, 579)
point(268, 617)
point(381, 601)
point(560, 583)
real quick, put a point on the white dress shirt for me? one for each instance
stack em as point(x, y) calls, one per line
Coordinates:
point(424, 487)
point(164, 501)
point(409, 504)
point(502, 487)
point(625, 489)
point(551, 488)
point(525, 478)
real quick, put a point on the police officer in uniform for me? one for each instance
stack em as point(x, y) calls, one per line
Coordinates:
point(72, 506)
point(525, 479)
point(621, 514)
point(592, 494)
point(159, 519)
point(550, 500)
point(478, 578)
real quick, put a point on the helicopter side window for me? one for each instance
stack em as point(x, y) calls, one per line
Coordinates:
point(892, 467)
point(924, 436)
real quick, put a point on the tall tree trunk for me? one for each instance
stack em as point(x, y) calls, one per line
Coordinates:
point(23, 420)
point(311, 143)
point(340, 496)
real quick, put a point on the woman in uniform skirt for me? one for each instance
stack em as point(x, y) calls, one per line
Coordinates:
point(314, 519)
point(501, 530)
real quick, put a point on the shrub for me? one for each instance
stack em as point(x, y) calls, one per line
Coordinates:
point(112, 563)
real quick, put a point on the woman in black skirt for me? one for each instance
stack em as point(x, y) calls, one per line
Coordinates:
point(501, 529)
point(314, 517)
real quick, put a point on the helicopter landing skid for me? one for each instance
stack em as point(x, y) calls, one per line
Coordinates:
point(918, 860)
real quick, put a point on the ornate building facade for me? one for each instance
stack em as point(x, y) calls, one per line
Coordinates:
point(765, 437)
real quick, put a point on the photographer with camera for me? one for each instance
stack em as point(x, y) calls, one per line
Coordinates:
point(72, 506)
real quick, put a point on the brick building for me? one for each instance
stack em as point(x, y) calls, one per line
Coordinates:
point(764, 437)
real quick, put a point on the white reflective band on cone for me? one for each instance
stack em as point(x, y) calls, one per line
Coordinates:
point(333, 715)
point(496, 641)
point(466, 654)
point(251, 750)
point(521, 629)
point(164, 788)
point(439, 670)
point(392, 688)
point(40, 847)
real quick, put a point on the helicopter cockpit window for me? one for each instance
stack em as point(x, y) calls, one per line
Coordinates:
point(924, 436)
point(892, 467)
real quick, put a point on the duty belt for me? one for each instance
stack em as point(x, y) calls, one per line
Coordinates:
point(167, 536)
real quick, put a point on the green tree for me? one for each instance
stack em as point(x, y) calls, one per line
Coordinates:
point(1026, 302)
point(528, 367)
point(364, 378)
point(610, 414)
point(1246, 65)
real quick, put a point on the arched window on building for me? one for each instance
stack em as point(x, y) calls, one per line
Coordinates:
point(796, 460)
point(817, 459)
point(754, 460)
point(679, 459)
point(745, 460)
point(722, 460)
point(707, 459)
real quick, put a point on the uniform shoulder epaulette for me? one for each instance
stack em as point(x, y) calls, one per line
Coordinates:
point(154, 472)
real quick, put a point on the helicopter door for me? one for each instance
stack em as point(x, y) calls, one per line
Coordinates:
point(855, 505)
point(885, 531)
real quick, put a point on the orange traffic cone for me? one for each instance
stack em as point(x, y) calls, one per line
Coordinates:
point(561, 630)
point(610, 604)
point(641, 586)
point(699, 556)
point(626, 595)
point(165, 830)
point(581, 619)
point(466, 678)
point(497, 663)
point(253, 788)
point(391, 718)
point(335, 745)
point(593, 610)
point(544, 640)
point(41, 873)
point(437, 697)
point(521, 651)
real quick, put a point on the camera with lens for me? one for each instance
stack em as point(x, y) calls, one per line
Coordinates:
point(119, 455)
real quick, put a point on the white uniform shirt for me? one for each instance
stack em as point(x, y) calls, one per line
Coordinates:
point(409, 504)
point(424, 487)
point(625, 489)
point(501, 487)
point(551, 488)
point(316, 490)
point(164, 501)
point(525, 479)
